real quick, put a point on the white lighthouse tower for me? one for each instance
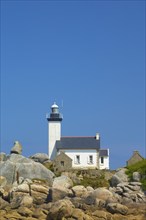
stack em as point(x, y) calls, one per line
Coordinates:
point(54, 130)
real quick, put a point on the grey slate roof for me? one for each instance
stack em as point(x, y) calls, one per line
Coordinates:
point(103, 152)
point(78, 143)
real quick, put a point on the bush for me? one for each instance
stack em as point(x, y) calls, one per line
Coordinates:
point(95, 182)
point(138, 167)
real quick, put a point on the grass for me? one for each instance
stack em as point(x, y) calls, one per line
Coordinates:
point(138, 167)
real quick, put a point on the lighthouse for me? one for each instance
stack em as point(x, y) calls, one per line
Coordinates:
point(54, 130)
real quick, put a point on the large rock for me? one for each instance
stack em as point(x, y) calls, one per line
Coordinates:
point(16, 201)
point(13, 215)
point(99, 197)
point(60, 209)
point(119, 177)
point(78, 202)
point(42, 193)
point(136, 176)
point(117, 208)
point(27, 201)
point(39, 213)
point(3, 181)
point(38, 192)
point(79, 190)
point(102, 193)
point(40, 157)
point(18, 166)
point(102, 215)
point(3, 156)
point(89, 189)
point(24, 188)
point(80, 215)
point(5, 193)
point(15, 158)
point(62, 182)
point(56, 194)
point(39, 188)
point(17, 148)
point(8, 170)
point(89, 199)
point(3, 204)
point(24, 211)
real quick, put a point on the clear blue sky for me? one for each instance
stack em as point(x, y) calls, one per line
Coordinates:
point(91, 55)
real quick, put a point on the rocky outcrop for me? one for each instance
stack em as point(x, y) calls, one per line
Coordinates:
point(30, 191)
point(38, 192)
point(119, 177)
point(62, 182)
point(40, 157)
point(79, 190)
point(3, 157)
point(129, 192)
point(117, 208)
point(101, 215)
point(102, 193)
point(61, 188)
point(26, 197)
point(19, 166)
point(3, 181)
point(8, 170)
point(99, 197)
point(60, 209)
point(80, 214)
point(136, 176)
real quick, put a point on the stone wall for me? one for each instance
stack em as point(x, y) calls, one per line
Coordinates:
point(135, 158)
point(62, 163)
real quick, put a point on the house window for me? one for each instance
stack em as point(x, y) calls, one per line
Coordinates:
point(62, 163)
point(77, 159)
point(102, 159)
point(90, 159)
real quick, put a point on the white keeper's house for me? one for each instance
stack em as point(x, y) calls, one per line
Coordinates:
point(83, 152)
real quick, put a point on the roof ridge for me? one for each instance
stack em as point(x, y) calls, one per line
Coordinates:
point(78, 136)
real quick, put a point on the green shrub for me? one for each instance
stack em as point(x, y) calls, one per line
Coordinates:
point(138, 167)
point(95, 182)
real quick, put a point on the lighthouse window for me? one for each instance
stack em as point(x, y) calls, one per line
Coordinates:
point(77, 159)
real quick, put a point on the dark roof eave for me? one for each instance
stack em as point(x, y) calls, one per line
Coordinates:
point(72, 148)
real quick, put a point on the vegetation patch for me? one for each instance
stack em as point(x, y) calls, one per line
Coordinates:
point(138, 167)
point(95, 182)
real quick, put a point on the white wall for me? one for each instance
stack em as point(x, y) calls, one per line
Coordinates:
point(84, 158)
point(105, 164)
point(54, 134)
